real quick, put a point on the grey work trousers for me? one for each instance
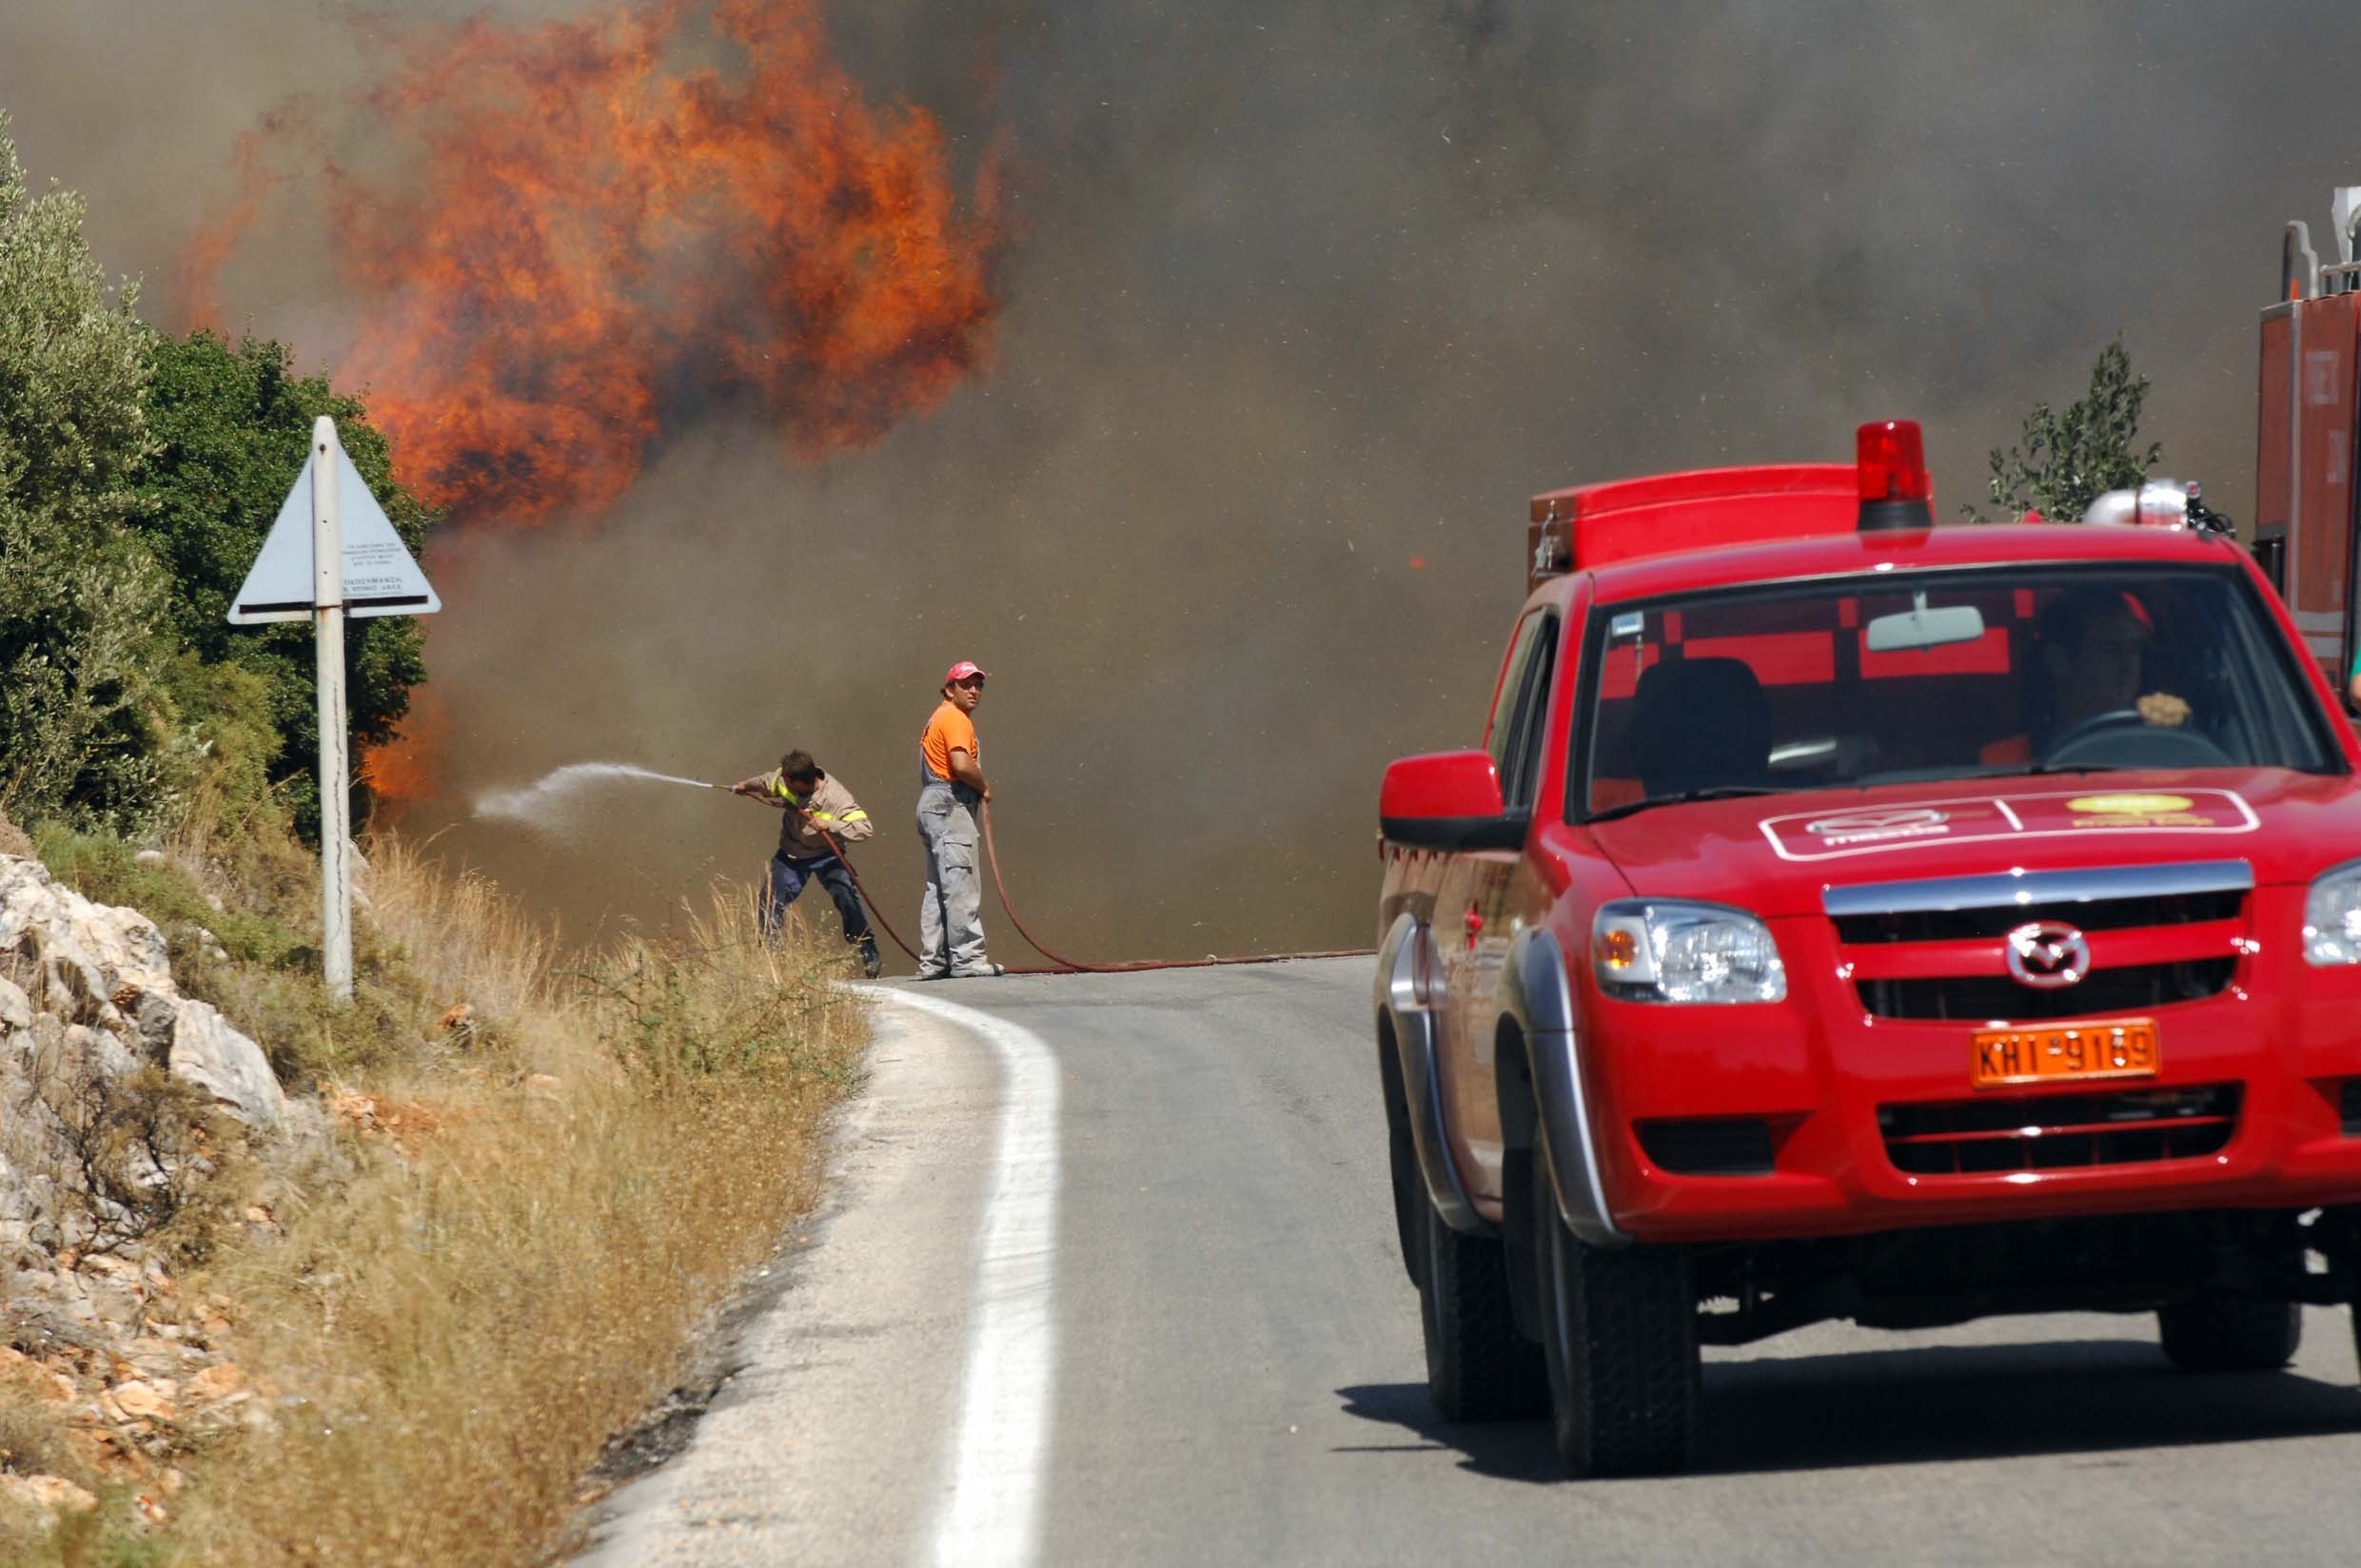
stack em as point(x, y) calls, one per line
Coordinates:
point(951, 919)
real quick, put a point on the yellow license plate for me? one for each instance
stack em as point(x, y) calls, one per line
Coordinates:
point(2053, 1054)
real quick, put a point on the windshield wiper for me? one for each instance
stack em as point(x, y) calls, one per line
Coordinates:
point(1711, 791)
point(2079, 768)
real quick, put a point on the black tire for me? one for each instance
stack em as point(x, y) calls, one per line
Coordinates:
point(1409, 1187)
point(1619, 1339)
point(2222, 1333)
point(1477, 1366)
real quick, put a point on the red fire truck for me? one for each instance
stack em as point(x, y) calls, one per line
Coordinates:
point(2304, 441)
point(1850, 918)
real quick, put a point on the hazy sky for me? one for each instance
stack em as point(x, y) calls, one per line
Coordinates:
point(1295, 295)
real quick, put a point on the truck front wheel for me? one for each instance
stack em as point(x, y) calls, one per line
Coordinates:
point(1409, 1188)
point(2222, 1333)
point(1477, 1366)
point(1619, 1337)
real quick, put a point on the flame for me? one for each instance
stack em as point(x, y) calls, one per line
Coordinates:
point(564, 242)
point(197, 272)
point(574, 240)
point(405, 768)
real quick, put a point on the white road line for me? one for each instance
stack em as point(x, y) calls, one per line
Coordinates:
point(992, 1513)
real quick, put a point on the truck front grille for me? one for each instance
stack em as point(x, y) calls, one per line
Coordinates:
point(1936, 949)
point(1984, 997)
point(2058, 1131)
point(1953, 925)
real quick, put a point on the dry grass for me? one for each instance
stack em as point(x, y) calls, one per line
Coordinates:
point(33, 1442)
point(503, 1253)
point(460, 931)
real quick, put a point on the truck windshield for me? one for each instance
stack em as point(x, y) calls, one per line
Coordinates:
point(1935, 676)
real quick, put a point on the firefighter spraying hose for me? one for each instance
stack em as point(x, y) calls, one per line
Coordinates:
point(822, 817)
point(953, 821)
point(815, 851)
point(816, 811)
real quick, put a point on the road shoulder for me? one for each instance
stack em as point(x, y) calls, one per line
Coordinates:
point(828, 1441)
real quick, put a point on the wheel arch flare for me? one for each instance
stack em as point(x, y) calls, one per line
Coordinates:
point(1537, 994)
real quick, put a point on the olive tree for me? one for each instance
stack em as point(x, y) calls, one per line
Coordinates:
point(2067, 459)
point(82, 640)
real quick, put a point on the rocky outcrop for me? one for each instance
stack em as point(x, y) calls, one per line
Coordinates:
point(90, 1318)
point(87, 1002)
point(97, 981)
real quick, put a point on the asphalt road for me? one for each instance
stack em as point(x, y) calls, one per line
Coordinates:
point(1118, 1284)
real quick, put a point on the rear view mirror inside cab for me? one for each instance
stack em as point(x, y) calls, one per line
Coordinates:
point(1921, 627)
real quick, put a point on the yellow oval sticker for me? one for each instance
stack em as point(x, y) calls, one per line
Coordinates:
point(2127, 805)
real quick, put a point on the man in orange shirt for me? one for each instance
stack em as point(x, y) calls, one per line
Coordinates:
point(951, 786)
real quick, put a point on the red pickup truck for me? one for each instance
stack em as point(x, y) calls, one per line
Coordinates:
point(1851, 918)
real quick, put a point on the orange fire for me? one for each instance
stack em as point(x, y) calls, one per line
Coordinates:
point(578, 238)
point(197, 275)
point(402, 770)
point(565, 237)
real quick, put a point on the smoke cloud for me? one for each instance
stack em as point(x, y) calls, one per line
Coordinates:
point(1299, 302)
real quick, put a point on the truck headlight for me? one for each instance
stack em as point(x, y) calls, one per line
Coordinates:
point(2332, 916)
point(1670, 950)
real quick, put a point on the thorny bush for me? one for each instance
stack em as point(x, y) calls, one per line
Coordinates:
point(720, 1000)
point(139, 1147)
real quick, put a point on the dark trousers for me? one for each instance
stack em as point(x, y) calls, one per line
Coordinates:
point(787, 880)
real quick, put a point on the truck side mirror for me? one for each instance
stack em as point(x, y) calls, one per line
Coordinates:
point(1449, 800)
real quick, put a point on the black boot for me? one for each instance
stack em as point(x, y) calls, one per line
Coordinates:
point(870, 963)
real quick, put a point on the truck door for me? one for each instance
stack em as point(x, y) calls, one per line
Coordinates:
point(1474, 933)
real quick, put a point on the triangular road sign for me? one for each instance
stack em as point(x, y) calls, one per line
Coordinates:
point(380, 577)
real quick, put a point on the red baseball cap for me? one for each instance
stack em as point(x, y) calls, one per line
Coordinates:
point(967, 669)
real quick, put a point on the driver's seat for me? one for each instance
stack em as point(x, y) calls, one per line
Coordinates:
point(1700, 722)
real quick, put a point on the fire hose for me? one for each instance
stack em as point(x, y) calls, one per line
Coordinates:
point(1059, 964)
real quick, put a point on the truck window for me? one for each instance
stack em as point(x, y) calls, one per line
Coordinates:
point(1496, 724)
point(1524, 714)
point(1502, 731)
point(1963, 673)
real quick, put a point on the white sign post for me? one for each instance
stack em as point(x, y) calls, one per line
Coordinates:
point(332, 540)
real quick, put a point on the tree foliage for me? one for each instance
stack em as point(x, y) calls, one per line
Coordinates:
point(232, 426)
point(2064, 461)
point(139, 474)
point(83, 635)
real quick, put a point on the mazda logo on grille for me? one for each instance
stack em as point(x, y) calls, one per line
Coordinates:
point(2047, 955)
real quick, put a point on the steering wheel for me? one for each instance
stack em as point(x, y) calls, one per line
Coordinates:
point(2122, 738)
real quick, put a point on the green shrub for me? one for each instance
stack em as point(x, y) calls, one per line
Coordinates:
point(81, 603)
point(260, 907)
point(2065, 459)
point(232, 426)
point(139, 475)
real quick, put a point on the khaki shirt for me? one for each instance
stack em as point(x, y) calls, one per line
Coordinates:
point(830, 807)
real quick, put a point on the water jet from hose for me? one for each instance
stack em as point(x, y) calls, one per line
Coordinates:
point(550, 800)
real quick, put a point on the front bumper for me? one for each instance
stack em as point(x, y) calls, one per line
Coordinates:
point(1818, 1068)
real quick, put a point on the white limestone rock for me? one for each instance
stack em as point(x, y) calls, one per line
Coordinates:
point(105, 974)
point(227, 1064)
